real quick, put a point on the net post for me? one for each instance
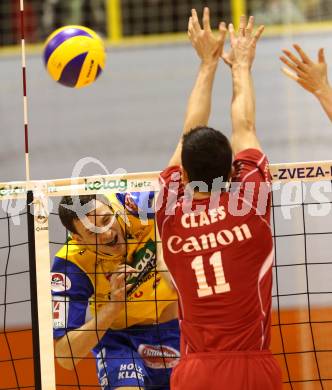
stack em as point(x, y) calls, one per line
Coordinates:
point(114, 20)
point(39, 259)
point(33, 291)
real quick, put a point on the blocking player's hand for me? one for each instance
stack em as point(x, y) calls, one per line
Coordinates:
point(243, 44)
point(208, 46)
point(311, 75)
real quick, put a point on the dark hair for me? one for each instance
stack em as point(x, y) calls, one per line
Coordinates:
point(206, 155)
point(68, 214)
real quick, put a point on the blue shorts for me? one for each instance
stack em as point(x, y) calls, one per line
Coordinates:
point(139, 356)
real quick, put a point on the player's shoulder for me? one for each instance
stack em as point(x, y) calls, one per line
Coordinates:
point(251, 155)
point(71, 250)
point(77, 255)
point(67, 277)
point(172, 172)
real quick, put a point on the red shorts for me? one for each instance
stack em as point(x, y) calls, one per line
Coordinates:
point(257, 370)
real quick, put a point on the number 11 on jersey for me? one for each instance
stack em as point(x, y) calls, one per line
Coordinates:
point(203, 289)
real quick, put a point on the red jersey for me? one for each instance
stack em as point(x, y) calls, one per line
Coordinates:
point(219, 251)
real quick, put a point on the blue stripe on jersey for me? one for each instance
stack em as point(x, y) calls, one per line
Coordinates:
point(79, 293)
point(80, 282)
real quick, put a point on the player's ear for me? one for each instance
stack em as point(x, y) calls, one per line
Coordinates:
point(232, 173)
point(184, 176)
point(232, 170)
point(76, 237)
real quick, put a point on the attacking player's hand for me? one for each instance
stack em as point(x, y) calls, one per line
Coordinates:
point(119, 287)
point(130, 203)
point(311, 75)
point(243, 44)
point(208, 46)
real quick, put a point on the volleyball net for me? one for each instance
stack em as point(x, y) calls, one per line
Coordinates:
point(302, 291)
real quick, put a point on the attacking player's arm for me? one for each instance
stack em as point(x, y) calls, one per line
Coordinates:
point(209, 49)
point(312, 76)
point(243, 104)
point(76, 344)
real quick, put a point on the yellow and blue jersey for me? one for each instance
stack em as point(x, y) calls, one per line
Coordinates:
point(80, 277)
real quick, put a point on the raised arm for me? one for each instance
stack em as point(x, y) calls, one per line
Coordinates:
point(311, 75)
point(243, 48)
point(209, 49)
point(76, 344)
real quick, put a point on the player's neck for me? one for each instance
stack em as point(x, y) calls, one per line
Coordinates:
point(201, 195)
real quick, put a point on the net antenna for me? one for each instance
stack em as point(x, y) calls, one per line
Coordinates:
point(39, 257)
point(25, 98)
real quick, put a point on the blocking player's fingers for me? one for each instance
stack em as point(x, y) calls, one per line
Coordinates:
point(250, 27)
point(257, 35)
point(292, 66)
point(286, 60)
point(190, 24)
point(242, 26)
point(232, 34)
point(302, 54)
point(289, 74)
point(222, 34)
point(292, 57)
point(195, 22)
point(321, 56)
point(206, 19)
point(223, 29)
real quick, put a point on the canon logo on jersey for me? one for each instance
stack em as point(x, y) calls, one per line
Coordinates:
point(177, 244)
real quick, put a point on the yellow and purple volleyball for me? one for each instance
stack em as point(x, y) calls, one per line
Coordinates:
point(74, 56)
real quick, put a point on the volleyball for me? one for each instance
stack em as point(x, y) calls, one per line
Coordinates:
point(74, 56)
